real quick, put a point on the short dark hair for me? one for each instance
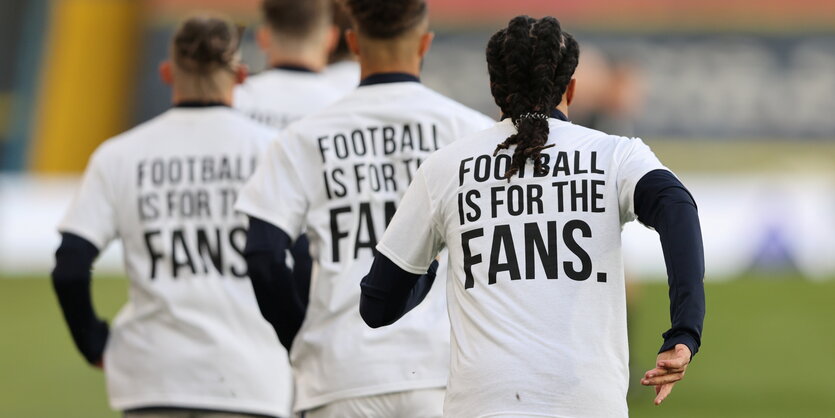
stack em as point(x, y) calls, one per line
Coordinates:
point(531, 63)
point(297, 18)
point(386, 19)
point(203, 44)
point(342, 21)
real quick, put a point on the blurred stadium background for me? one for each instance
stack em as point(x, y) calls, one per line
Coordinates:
point(737, 96)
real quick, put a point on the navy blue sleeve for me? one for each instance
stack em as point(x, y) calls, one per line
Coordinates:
point(71, 281)
point(302, 267)
point(662, 202)
point(389, 292)
point(273, 282)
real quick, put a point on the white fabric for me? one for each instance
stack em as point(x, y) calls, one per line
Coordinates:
point(528, 343)
point(339, 174)
point(343, 76)
point(191, 334)
point(425, 403)
point(278, 97)
point(186, 413)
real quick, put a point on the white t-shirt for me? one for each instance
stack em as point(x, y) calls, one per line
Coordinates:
point(278, 97)
point(343, 75)
point(191, 334)
point(536, 284)
point(340, 174)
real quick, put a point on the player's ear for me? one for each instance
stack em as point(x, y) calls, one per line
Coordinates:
point(333, 38)
point(353, 43)
point(569, 91)
point(425, 43)
point(241, 72)
point(263, 37)
point(166, 73)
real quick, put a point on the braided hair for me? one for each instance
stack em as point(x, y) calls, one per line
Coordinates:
point(531, 63)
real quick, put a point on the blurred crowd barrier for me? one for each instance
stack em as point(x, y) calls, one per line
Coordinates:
point(677, 86)
point(778, 224)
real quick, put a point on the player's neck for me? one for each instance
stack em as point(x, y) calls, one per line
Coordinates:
point(343, 59)
point(312, 61)
point(184, 97)
point(369, 66)
point(563, 107)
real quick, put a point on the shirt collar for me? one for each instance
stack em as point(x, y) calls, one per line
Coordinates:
point(198, 104)
point(295, 68)
point(383, 78)
point(555, 114)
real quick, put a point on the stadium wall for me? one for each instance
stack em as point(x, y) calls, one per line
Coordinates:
point(768, 224)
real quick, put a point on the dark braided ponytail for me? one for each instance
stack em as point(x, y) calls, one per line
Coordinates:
point(531, 63)
point(495, 66)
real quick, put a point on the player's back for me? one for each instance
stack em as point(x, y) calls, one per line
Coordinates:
point(282, 95)
point(351, 164)
point(191, 334)
point(343, 75)
point(536, 286)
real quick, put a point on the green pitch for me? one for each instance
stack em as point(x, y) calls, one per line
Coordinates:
point(768, 352)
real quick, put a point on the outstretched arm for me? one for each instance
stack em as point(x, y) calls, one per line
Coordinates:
point(71, 281)
point(389, 292)
point(662, 202)
point(405, 265)
point(273, 282)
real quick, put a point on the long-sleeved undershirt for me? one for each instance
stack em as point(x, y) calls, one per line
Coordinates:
point(281, 292)
point(662, 202)
point(71, 281)
point(389, 292)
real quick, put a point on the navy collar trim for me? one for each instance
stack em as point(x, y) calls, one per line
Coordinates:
point(555, 114)
point(384, 78)
point(291, 67)
point(198, 104)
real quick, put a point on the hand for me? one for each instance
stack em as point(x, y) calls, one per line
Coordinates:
point(669, 369)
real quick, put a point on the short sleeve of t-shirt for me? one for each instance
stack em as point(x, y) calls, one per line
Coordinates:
point(275, 193)
point(638, 160)
point(413, 238)
point(92, 215)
